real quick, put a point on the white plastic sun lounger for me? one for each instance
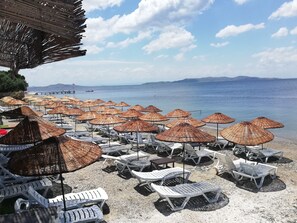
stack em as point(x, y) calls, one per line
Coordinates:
point(73, 200)
point(146, 178)
point(86, 214)
point(187, 191)
point(22, 189)
point(256, 173)
point(256, 152)
point(196, 155)
point(118, 149)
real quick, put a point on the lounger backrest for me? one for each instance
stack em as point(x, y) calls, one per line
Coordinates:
point(248, 169)
point(34, 195)
point(226, 161)
point(189, 150)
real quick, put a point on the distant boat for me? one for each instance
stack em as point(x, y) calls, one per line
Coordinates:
point(89, 90)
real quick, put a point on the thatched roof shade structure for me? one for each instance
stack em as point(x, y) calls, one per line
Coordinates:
point(43, 159)
point(21, 112)
point(267, 123)
point(31, 129)
point(39, 32)
point(247, 134)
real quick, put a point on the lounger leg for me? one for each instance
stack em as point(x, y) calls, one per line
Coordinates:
point(215, 199)
point(177, 208)
point(261, 182)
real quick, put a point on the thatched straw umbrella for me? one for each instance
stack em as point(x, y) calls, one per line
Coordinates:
point(218, 118)
point(246, 134)
point(131, 114)
point(122, 104)
point(178, 113)
point(74, 112)
point(31, 129)
point(266, 123)
point(107, 120)
point(136, 126)
point(55, 155)
point(185, 133)
point(137, 108)
point(21, 112)
point(192, 121)
point(151, 108)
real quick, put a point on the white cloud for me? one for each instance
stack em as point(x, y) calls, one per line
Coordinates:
point(218, 45)
point(179, 57)
point(99, 29)
point(282, 32)
point(288, 9)
point(172, 37)
point(156, 13)
point(150, 15)
point(92, 49)
point(294, 31)
point(162, 56)
point(233, 30)
point(280, 56)
point(141, 36)
point(91, 5)
point(241, 2)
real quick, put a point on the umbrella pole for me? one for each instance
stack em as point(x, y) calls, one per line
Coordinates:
point(217, 131)
point(62, 185)
point(108, 135)
point(183, 162)
point(137, 145)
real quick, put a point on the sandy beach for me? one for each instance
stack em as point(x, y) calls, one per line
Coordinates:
point(275, 202)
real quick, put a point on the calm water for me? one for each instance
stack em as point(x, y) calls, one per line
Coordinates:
point(242, 100)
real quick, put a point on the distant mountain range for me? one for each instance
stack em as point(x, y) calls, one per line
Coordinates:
point(70, 87)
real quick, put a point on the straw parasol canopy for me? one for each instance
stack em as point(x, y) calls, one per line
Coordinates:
point(137, 108)
point(185, 133)
point(110, 103)
point(178, 113)
point(131, 113)
point(107, 120)
point(247, 134)
point(122, 104)
point(58, 110)
point(153, 117)
point(192, 121)
point(266, 123)
point(21, 112)
point(43, 158)
point(73, 112)
point(218, 118)
point(55, 155)
point(136, 126)
point(87, 116)
point(151, 108)
point(31, 129)
point(99, 101)
point(16, 102)
point(111, 111)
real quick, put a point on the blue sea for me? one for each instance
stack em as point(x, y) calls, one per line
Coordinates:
point(242, 100)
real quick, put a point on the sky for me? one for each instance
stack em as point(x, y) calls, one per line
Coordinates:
point(138, 41)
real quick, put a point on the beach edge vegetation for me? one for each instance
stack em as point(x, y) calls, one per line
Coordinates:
point(13, 85)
